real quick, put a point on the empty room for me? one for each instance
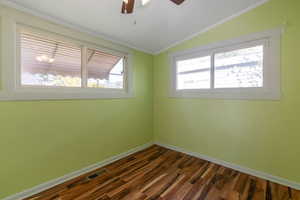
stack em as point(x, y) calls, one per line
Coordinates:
point(149, 100)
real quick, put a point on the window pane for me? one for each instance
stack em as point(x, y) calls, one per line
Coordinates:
point(47, 62)
point(240, 68)
point(194, 73)
point(105, 70)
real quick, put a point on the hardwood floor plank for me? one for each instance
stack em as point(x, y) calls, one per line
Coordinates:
point(280, 192)
point(157, 173)
point(260, 192)
point(295, 194)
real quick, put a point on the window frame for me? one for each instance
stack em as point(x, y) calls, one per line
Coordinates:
point(271, 68)
point(14, 90)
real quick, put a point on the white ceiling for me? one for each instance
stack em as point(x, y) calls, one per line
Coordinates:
point(159, 25)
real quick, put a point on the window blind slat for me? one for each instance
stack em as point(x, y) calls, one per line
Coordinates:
point(49, 62)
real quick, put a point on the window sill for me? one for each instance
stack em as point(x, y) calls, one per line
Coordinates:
point(229, 94)
point(19, 95)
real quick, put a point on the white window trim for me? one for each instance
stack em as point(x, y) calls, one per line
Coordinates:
point(271, 75)
point(11, 74)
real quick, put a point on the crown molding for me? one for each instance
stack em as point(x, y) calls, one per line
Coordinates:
point(12, 4)
point(211, 27)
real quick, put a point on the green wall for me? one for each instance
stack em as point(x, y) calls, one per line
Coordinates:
point(43, 140)
point(262, 135)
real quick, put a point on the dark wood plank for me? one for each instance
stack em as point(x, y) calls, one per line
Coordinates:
point(162, 174)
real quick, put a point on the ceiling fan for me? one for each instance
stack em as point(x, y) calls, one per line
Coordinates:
point(128, 5)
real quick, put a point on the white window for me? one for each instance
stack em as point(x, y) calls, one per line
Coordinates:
point(241, 68)
point(50, 66)
point(194, 73)
point(104, 70)
point(244, 68)
point(49, 63)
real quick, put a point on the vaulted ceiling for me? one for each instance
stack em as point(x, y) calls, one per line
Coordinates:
point(152, 28)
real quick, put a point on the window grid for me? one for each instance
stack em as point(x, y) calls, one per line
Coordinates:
point(212, 72)
point(84, 67)
point(266, 74)
point(213, 66)
point(37, 39)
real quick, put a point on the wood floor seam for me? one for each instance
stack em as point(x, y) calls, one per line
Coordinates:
point(158, 173)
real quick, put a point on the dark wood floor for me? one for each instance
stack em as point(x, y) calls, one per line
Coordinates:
point(161, 174)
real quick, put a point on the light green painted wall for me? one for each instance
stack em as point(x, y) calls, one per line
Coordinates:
point(43, 140)
point(262, 135)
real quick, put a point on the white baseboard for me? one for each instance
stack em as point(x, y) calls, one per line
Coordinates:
point(236, 167)
point(52, 183)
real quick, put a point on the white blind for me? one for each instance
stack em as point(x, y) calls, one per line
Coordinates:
point(49, 62)
point(41, 55)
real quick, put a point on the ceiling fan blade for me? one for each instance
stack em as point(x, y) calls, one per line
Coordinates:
point(178, 2)
point(127, 8)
